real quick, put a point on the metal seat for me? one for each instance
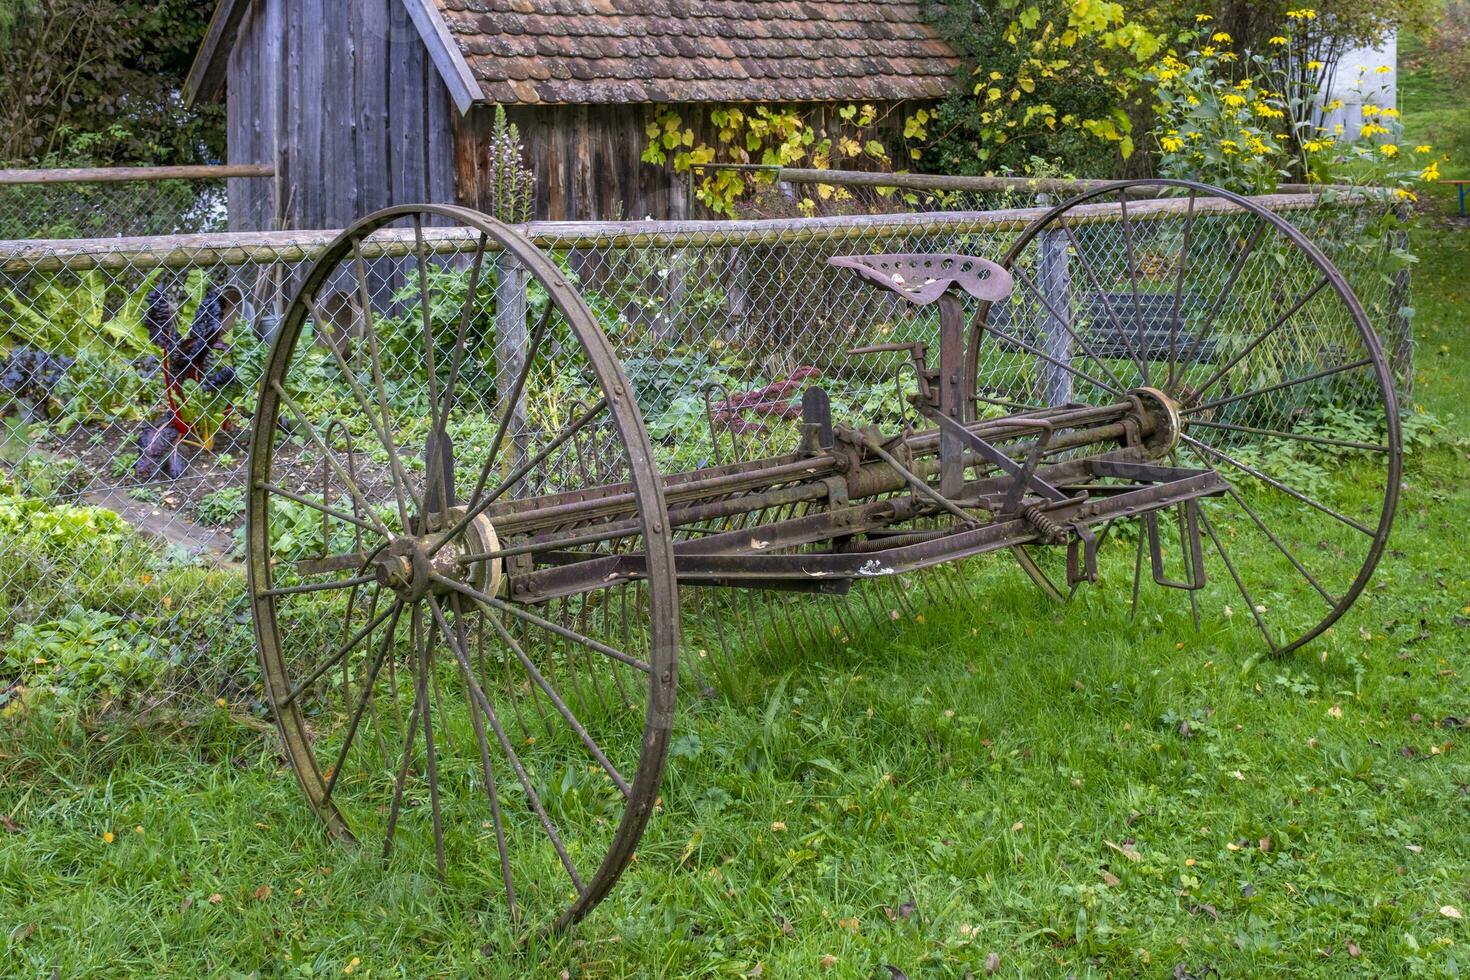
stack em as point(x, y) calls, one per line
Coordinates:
point(922, 279)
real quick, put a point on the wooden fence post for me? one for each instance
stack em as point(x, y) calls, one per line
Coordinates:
point(1056, 287)
point(511, 341)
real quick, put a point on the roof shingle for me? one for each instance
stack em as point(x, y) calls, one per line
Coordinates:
point(610, 51)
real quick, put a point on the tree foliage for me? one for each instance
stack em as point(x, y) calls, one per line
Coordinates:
point(97, 82)
point(1062, 85)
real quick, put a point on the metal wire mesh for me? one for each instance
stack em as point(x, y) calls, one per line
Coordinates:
point(120, 573)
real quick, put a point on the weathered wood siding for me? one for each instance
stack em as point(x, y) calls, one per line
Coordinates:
point(588, 159)
point(342, 99)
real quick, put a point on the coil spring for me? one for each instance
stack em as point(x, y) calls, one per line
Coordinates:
point(1049, 529)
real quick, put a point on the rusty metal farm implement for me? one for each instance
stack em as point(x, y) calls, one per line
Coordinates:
point(472, 579)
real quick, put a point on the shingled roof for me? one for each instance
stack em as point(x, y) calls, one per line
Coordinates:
point(560, 52)
point(612, 51)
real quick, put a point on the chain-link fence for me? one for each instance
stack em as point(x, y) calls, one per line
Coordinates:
point(114, 202)
point(131, 368)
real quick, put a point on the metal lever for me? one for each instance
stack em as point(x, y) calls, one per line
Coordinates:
point(918, 352)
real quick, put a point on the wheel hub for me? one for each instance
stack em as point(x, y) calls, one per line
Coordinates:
point(410, 565)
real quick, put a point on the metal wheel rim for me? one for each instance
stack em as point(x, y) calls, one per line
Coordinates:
point(647, 489)
point(1381, 372)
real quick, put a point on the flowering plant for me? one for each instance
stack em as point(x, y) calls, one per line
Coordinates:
point(1246, 121)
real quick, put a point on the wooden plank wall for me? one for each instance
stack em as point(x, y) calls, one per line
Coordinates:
point(342, 98)
point(588, 160)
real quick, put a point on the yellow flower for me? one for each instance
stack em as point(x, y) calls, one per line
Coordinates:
point(1334, 105)
point(1278, 39)
point(1208, 52)
point(1431, 172)
point(1382, 70)
point(1369, 111)
point(1389, 150)
point(1171, 144)
point(1424, 148)
point(1390, 113)
point(1314, 66)
point(1233, 100)
point(1202, 18)
point(1306, 13)
point(1404, 194)
point(1220, 37)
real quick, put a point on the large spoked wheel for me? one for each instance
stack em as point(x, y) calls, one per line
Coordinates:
point(435, 369)
point(1278, 377)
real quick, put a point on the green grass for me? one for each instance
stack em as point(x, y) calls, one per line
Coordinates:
point(1271, 835)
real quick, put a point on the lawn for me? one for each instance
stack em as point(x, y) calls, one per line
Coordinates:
point(996, 785)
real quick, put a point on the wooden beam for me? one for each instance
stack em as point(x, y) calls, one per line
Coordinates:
point(232, 249)
point(207, 74)
point(124, 175)
point(444, 50)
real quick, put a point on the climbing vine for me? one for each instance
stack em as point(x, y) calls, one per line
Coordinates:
point(851, 137)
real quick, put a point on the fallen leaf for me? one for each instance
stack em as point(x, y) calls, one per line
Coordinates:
point(1265, 844)
point(107, 837)
point(1110, 879)
point(216, 898)
point(894, 973)
point(262, 893)
point(1450, 912)
point(992, 963)
point(787, 929)
point(1415, 848)
point(827, 962)
point(1018, 825)
point(852, 925)
point(1335, 711)
point(757, 970)
point(23, 932)
point(10, 825)
point(1353, 950)
point(1127, 850)
point(778, 826)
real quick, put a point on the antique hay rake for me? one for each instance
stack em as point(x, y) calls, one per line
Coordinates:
point(483, 645)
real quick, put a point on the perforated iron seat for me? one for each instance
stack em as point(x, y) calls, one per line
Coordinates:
point(922, 279)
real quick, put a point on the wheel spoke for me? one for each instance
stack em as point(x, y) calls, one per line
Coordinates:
point(1271, 481)
point(424, 643)
point(545, 624)
point(336, 658)
point(422, 259)
point(375, 358)
point(533, 347)
point(1244, 592)
point(1314, 376)
point(532, 796)
point(1130, 268)
point(401, 487)
point(478, 508)
point(1225, 292)
point(1107, 302)
point(317, 505)
point(466, 314)
point(1260, 338)
point(1025, 280)
point(587, 741)
point(1255, 519)
point(331, 458)
point(1052, 360)
point(1315, 440)
point(1179, 293)
point(477, 722)
point(320, 586)
point(367, 695)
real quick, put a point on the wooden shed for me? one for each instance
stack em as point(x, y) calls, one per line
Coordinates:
point(359, 104)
